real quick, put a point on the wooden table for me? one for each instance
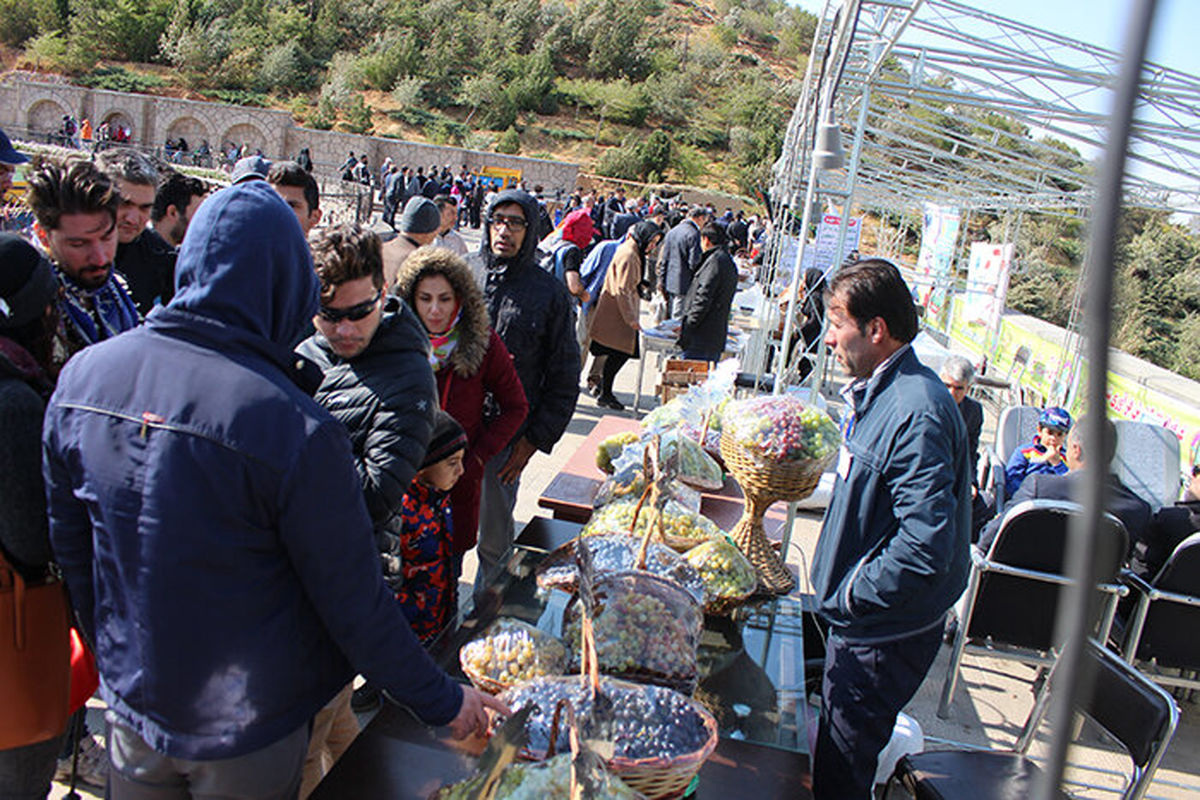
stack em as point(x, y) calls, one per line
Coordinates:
point(570, 493)
point(753, 664)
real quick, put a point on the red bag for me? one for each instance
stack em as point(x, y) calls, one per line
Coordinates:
point(85, 680)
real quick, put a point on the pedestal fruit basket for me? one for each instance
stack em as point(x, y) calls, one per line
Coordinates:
point(777, 449)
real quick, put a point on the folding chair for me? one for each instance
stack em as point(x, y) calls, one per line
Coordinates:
point(1013, 591)
point(1147, 461)
point(1135, 712)
point(1162, 629)
point(1015, 426)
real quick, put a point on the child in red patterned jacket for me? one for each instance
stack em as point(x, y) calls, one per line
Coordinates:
point(429, 594)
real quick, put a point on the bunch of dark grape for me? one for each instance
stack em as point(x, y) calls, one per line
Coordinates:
point(614, 552)
point(647, 721)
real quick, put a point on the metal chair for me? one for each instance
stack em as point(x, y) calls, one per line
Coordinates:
point(1013, 592)
point(1161, 633)
point(1147, 461)
point(1130, 708)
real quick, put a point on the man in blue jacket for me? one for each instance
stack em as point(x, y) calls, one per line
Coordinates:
point(210, 523)
point(893, 552)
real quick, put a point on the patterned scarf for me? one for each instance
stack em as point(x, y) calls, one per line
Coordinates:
point(441, 345)
point(96, 314)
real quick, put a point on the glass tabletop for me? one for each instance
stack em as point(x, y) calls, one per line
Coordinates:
point(751, 661)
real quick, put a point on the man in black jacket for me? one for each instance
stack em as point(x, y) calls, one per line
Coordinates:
point(378, 383)
point(709, 298)
point(532, 313)
point(145, 259)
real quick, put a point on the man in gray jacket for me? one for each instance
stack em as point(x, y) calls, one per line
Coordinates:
point(679, 257)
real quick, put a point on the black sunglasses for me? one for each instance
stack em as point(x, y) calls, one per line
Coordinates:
point(354, 313)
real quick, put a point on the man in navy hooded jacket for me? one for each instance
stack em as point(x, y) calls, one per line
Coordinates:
point(893, 552)
point(211, 526)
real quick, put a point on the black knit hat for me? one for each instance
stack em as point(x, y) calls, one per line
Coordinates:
point(448, 438)
point(27, 283)
point(421, 215)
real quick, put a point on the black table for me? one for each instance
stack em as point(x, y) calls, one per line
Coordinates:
point(752, 667)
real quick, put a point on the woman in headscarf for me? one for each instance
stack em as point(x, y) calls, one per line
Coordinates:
point(613, 324)
point(470, 363)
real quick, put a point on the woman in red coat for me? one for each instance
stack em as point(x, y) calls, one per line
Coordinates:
point(477, 383)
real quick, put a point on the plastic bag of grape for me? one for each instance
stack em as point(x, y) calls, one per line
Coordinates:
point(728, 577)
point(647, 629)
point(682, 529)
point(511, 652)
point(781, 430)
point(616, 552)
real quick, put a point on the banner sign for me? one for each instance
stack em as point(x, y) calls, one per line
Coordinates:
point(987, 284)
point(939, 235)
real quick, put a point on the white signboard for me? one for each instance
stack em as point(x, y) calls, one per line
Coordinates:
point(939, 235)
point(828, 230)
point(987, 283)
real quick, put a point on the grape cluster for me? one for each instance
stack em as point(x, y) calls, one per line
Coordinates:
point(615, 552)
point(647, 721)
point(782, 428)
point(725, 571)
point(511, 651)
point(695, 466)
point(640, 633)
point(609, 449)
point(682, 529)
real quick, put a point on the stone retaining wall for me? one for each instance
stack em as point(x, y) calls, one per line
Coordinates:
point(37, 107)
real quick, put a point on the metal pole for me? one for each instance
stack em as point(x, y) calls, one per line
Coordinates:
point(817, 375)
point(1083, 559)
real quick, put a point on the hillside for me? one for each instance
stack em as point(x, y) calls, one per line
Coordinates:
point(692, 92)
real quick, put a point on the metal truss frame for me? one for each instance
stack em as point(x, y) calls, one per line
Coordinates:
point(944, 103)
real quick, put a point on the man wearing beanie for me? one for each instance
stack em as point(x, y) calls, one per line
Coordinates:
point(27, 290)
point(419, 225)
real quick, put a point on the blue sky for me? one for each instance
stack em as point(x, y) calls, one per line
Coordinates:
point(1102, 22)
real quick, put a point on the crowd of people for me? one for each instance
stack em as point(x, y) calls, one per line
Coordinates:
point(257, 449)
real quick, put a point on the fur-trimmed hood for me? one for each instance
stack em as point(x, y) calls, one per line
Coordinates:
point(473, 326)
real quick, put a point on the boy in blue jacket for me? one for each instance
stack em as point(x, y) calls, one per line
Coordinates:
point(1044, 455)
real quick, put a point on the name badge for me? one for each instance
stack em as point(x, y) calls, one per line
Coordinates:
point(844, 461)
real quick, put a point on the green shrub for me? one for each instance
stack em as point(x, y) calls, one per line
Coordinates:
point(358, 117)
point(119, 79)
point(18, 22)
point(620, 162)
point(241, 97)
point(509, 142)
point(286, 68)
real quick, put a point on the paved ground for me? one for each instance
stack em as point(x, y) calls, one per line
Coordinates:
point(994, 698)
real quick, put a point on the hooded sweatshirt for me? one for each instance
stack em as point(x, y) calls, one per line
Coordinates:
point(532, 312)
point(207, 514)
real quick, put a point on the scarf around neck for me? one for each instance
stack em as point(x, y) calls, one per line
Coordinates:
point(441, 345)
point(114, 310)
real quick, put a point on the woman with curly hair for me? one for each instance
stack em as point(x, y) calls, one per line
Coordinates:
point(477, 383)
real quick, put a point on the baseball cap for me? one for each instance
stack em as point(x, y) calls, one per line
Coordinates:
point(1055, 417)
point(250, 168)
point(8, 153)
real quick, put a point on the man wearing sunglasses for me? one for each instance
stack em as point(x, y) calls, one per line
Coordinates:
point(532, 313)
point(379, 384)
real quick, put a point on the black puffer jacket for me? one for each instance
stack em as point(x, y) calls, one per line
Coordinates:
point(386, 397)
point(532, 312)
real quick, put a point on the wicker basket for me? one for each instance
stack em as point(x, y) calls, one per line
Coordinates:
point(486, 683)
point(656, 778)
point(764, 483)
point(685, 615)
